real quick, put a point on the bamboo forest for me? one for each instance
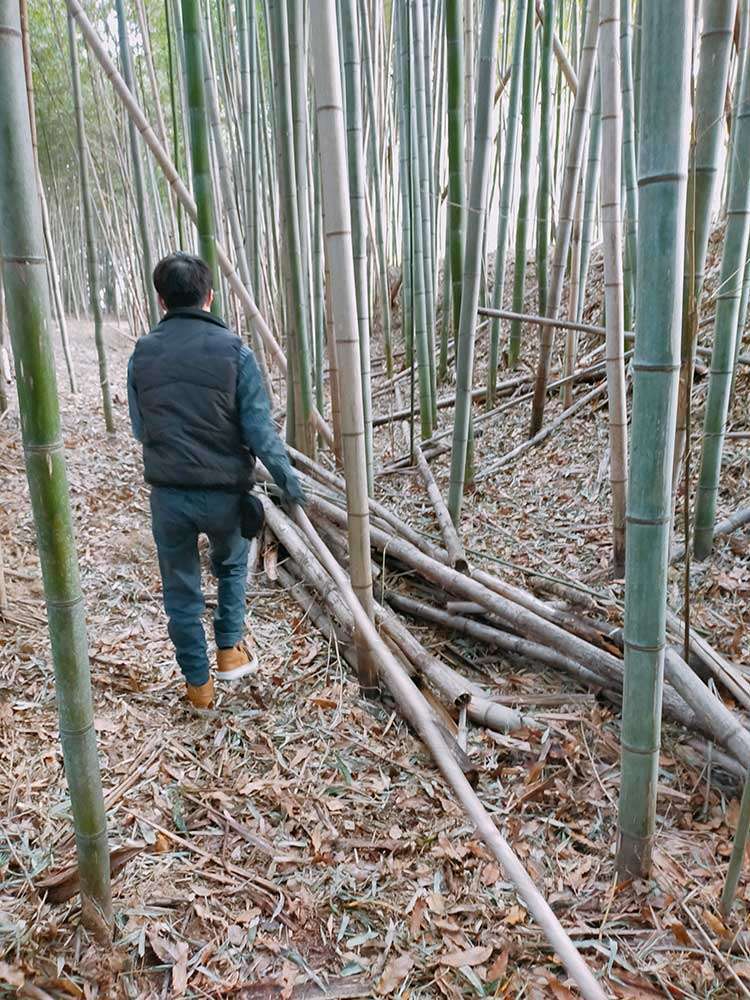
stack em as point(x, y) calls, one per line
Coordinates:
point(374, 499)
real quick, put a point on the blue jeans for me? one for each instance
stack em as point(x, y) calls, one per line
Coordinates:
point(178, 517)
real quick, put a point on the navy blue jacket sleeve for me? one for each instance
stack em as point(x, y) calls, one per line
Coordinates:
point(258, 431)
point(136, 418)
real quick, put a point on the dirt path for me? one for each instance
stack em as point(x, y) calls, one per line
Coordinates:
point(299, 835)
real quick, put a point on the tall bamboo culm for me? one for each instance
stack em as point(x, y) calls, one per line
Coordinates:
point(662, 194)
point(506, 192)
point(200, 157)
point(609, 74)
point(718, 17)
point(88, 229)
point(357, 199)
point(480, 170)
point(340, 264)
point(628, 158)
point(573, 162)
point(729, 297)
point(522, 222)
point(456, 174)
point(25, 280)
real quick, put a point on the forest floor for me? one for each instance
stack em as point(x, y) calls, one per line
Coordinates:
point(299, 842)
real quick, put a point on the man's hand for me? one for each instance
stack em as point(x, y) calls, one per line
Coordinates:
point(291, 496)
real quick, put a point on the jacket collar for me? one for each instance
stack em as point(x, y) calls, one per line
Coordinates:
point(193, 313)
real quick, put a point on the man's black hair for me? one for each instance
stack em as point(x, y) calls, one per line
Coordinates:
point(183, 280)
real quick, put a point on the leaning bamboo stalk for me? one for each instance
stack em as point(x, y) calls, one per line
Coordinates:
point(609, 74)
point(413, 703)
point(566, 67)
point(453, 543)
point(25, 282)
point(178, 186)
point(339, 252)
point(581, 113)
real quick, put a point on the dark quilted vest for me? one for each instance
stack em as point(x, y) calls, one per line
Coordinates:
point(185, 373)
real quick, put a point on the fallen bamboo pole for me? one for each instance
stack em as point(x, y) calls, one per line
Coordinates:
point(453, 545)
point(541, 435)
point(410, 700)
point(567, 324)
point(695, 707)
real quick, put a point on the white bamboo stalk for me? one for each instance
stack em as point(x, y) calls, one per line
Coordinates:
point(611, 188)
point(337, 229)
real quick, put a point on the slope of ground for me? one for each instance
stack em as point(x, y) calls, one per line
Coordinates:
point(300, 837)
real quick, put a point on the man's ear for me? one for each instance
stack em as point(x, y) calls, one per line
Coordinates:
point(162, 304)
point(209, 301)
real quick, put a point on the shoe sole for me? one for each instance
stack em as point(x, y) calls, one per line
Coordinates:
point(237, 672)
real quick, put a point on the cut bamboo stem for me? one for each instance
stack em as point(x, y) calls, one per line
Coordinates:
point(411, 702)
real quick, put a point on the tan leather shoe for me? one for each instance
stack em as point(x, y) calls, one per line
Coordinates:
point(201, 695)
point(236, 662)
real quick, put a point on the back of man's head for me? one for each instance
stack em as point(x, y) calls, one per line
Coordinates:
point(183, 281)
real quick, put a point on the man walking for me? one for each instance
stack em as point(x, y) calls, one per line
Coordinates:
point(198, 406)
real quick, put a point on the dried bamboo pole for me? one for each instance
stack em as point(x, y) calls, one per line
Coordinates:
point(453, 543)
point(409, 699)
point(339, 252)
point(609, 74)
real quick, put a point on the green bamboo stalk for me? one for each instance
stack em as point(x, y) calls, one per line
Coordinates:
point(710, 94)
point(738, 851)
point(25, 281)
point(473, 257)
point(173, 107)
point(573, 162)
point(137, 166)
point(456, 221)
point(522, 222)
point(357, 198)
point(506, 191)
point(662, 191)
point(590, 197)
point(544, 197)
point(88, 227)
point(628, 159)
point(298, 297)
point(199, 149)
point(729, 296)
